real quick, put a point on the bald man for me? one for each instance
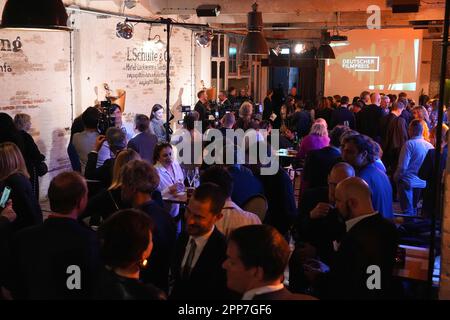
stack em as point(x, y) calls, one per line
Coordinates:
point(319, 225)
point(364, 262)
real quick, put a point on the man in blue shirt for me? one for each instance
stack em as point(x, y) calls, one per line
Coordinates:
point(411, 158)
point(359, 151)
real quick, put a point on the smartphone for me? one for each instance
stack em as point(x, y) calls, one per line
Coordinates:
point(5, 196)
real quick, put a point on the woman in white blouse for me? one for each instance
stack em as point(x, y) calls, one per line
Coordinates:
point(170, 174)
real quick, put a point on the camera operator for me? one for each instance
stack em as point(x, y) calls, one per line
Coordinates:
point(84, 141)
point(202, 108)
point(111, 116)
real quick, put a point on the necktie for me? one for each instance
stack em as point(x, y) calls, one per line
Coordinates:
point(188, 265)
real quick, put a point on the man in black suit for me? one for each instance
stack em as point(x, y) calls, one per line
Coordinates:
point(144, 143)
point(395, 136)
point(58, 259)
point(200, 252)
point(117, 141)
point(257, 256)
point(342, 114)
point(364, 262)
point(202, 109)
point(318, 163)
point(139, 180)
point(368, 119)
point(318, 226)
point(224, 104)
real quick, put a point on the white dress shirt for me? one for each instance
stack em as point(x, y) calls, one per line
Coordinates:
point(234, 217)
point(200, 243)
point(411, 157)
point(249, 295)
point(166, 180)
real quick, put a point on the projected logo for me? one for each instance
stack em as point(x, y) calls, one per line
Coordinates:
point(362, 64)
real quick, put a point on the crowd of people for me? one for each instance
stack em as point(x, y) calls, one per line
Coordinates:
point(109, 222)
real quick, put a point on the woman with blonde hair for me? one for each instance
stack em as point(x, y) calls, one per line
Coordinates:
point(420, 113)
point(14, 175)
point(444, 135)
point(108, 201)
point(316, 139)
point(245, 116)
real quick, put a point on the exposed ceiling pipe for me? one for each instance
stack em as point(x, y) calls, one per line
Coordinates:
point(104, 12)
point(320, 27)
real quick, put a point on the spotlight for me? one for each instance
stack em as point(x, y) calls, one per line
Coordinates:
point(124, 30)
point(203, 39)
point(130, 4)
point(299, 48)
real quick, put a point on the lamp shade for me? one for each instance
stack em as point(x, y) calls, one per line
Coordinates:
point(325, 52)
point(254, 41)
point(48, 14)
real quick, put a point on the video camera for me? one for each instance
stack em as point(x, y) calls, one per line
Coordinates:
point(106, 118)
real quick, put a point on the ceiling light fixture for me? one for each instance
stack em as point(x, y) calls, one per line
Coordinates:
point(124, 30)
point(299, 48)
point(254, 41)
point(325, 51)
point(203, 39)
point(130, 4)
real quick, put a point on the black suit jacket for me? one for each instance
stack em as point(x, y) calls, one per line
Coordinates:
point(318, 164)
point(24, 202)
point(372, 241)
point(41, 255)
point(283, 294)
point(114, 287)
point(319, 232)
point(144, 144)
point(368, 121)
point(340, 115)
point(203, 113)
point(279, 192)
point(5, 236)
point(324, 114)
point(102, 173)
point(164, 237)
point(207, 280)
point(426, 172)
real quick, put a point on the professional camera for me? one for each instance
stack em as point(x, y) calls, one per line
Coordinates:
point(106, 118)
